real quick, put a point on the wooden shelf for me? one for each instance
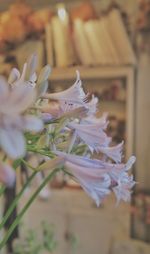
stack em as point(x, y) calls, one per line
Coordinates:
point(69, 73)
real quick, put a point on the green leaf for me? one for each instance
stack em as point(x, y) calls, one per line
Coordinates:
point(17, 163)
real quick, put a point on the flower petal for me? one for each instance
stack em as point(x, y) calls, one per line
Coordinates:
point(3, 90)
point(20, 99)
point(95, 183)
point(32, 123)
point(114, 152)
point(14, 76)
point(12, 142)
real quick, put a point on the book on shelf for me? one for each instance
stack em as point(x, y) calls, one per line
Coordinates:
point(120, 37)
point(110, 49)
point(63, 48)
point(82, 45)
point(100, 41)
point(98, 53)
point(49, 44)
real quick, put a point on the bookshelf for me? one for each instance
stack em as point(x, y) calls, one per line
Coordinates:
point(96, 77)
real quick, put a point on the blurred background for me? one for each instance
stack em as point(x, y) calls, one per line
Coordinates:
point(109, 43)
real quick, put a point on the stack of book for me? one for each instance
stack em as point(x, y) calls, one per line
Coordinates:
point(100, 41)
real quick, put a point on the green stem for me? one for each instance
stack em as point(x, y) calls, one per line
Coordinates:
point(42, 152)
point(25, 208)
point(2, 190)
point(14, 203)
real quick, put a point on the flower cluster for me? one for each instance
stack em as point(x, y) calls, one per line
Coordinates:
point(68, 133)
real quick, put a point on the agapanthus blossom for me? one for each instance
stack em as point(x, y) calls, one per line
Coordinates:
point(27, 77)
point(71, 99)
point(13, 122)
point(98, 178)
point(92, 134)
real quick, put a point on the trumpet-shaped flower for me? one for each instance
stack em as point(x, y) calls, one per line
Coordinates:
point(7, 174)
point(13, 103)
point(123, 189)
point(113, 152)
point(101, 121)
point(72, 98)
point(92, 134)
point(94, 182)
point(97, 177)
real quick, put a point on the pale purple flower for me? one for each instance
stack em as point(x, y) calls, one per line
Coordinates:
point(27, 77)
point(94, 182)
point(46, 117)
point(71, 99)
point(101, 121)
point(98, 178)
point(92, 134)
point(13, 103)
point(123, 189)
point(7, 174)
point(113, 152)
point(92, 106)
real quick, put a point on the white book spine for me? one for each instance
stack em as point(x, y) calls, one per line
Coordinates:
point(49, 45)
point(82, 45)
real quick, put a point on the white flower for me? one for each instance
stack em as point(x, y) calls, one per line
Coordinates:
point(13, 103)
point(7, 174)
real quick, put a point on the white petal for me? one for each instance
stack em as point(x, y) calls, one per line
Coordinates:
point(74, 94)
point(114, 152)
point(20, 99)
point(42, 88)
point(95, 183)
point(31, 65)
point(3, 89)
point(44, 74)
point(12, 142)
point(32, 123)
point(14, 76)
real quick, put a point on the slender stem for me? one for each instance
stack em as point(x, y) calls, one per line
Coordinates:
point(42, 152)
point(73, 139)
point(2, 190)
point(14, 203)
point(25, 208)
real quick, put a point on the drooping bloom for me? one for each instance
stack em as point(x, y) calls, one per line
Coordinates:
point(13, 103)
point(71, 99)
point(91, 134)
point(98, 178)
point(7, 174)
point(70, 96)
